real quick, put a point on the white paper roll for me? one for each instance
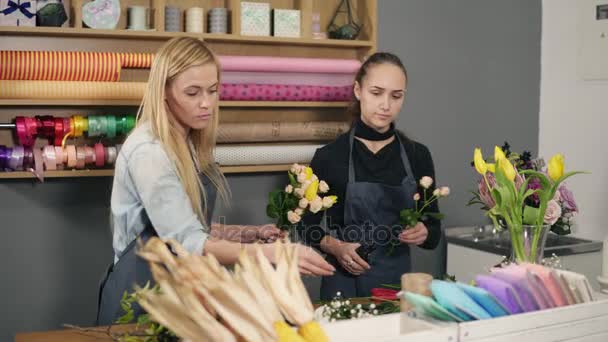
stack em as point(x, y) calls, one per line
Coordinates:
point(264, 154)
point(138, 17)
point(195, 21)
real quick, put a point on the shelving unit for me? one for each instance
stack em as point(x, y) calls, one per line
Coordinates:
point(75, 37)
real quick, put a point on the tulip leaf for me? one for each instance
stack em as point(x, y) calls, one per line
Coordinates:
point(530, 214)
point(292, 180)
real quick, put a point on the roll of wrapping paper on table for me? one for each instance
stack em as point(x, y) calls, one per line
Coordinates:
point(72, 90)
point(264, 154)
point(280, 131)
point(289, 64)
point(60, 66)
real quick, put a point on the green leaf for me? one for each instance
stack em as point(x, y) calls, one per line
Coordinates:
point(272, 211)
point(127, 318)
point(292, 180)
point(274, 198)
point(143, 319)
point(530, 214)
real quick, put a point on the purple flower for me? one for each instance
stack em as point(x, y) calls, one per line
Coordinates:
point(534, 184)
point(484, 192)
point(567, 199)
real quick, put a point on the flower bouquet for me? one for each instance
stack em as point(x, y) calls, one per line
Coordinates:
point(303, 194)
point(518, 193)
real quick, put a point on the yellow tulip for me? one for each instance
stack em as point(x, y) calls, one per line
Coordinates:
point(498, 154)
point(308, 171)
point(491, 167)
point(556, 166)
point(480, 164)
point(311, 191)
point(507, 168)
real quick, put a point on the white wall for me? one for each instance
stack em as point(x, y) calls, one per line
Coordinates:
point(574, 115)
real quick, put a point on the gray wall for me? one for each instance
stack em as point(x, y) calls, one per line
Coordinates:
point(474, 70)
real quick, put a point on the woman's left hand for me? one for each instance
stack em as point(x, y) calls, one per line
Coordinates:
point(270, 233)
point(414, 235)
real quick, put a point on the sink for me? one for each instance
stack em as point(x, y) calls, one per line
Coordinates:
point(489, 239)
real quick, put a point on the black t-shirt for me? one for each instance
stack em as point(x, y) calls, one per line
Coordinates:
point(330, 163)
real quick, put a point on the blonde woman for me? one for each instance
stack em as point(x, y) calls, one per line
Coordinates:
point(166, 180)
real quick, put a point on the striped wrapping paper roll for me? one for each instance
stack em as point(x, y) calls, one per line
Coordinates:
point(261, 154)
point(72, 90)
point(136, 60)
point(280, 131)
point(59, 66)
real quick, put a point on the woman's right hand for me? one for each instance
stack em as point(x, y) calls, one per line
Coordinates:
point(312, 263)
point(346, 254)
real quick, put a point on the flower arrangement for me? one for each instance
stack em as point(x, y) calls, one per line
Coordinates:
point(340, 308)
point(517, 191)
point(303, 194)
point(411, 216)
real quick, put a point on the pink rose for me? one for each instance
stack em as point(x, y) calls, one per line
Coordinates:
point(567, 198)
point(553, 212)
point(484, 192)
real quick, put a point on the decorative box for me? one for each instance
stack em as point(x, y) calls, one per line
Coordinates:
point(255, 19)
point(286, 23)
point(101, 14)
point(17, 13)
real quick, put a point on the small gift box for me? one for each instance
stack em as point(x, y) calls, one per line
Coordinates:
point(255, 19)
point(101, 14)
point(17, 13)
point(286, 23)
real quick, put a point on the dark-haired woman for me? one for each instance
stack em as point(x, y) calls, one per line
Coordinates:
point(374, 170)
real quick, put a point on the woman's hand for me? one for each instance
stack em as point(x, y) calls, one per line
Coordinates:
point(309, 261)
point(346, 254)
point(414, 235)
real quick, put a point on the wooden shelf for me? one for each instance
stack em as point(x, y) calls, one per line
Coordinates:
point(154, 35)
point(110, 172)
point(96, 102)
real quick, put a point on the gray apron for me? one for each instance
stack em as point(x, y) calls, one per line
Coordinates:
point(371, 218)
point(131, 270)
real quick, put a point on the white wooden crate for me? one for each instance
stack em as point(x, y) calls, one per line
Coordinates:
point(390, 328)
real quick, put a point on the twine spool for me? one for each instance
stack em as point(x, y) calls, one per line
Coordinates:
point(419, 283)
point(195, 21)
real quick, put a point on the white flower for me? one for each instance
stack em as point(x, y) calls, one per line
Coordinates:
point(328, 202)
point(444, 191)
point(316, 205)
point(303, 203)
point(358, 306)
point(375, 312)
point(416, 197)
point(553, 213)
point(299, 192)
point(352, 311)
point(296, 168)
point(306, 184)
point(347, 302)
point(323, 187)
point(299, 211)
point(372, 306)
point(293, 217)
point(289, 189)
point(338, 294)
point(314, 177)
point(426, 182)
point(301, 177)
point(436, 193)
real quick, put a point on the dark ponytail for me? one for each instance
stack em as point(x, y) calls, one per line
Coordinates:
point(354, 107)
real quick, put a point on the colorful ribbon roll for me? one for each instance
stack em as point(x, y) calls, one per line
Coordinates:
point(15, 161)
point(4, 156)
point(60, 66)
point(69, 90)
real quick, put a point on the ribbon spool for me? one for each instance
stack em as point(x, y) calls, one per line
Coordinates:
point(195, 20)
point(218, 20)
point(4, 156)
point(70, 150)
point(46, 127)
point(172, 19)
point(62, 157)
point(110, 155)
point(49, 158)
point(28, 158)
point(138, 18)
point(15, 161)
point(80, 157)
point(27, 129)
point(100, 155)
point(111, 128)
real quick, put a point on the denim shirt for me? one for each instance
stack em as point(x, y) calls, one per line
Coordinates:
point(147, 190)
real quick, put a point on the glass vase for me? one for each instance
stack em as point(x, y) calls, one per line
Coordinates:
point(528, 242)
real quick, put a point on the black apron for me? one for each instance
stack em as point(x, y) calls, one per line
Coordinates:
point(371, 217)
point(131, 270)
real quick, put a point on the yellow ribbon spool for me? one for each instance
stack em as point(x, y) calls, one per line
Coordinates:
point(80, 125)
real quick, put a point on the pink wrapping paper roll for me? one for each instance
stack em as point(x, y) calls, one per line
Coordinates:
point(288, 78)
point(72, 90)
point(289, 64)
point(277, 92)
point(59, 66)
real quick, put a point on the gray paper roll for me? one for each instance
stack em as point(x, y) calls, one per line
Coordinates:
point(172, 19)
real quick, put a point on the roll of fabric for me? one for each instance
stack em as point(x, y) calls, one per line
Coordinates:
point(264, 154)
point(71, 90)
point(195, 20)
point(280, 131)
point(289, 64)
point(59, 66)
point(218, 20)
point(277, 92)
point(288, 78)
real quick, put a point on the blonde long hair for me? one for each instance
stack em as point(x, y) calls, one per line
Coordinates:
point(173, 58)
